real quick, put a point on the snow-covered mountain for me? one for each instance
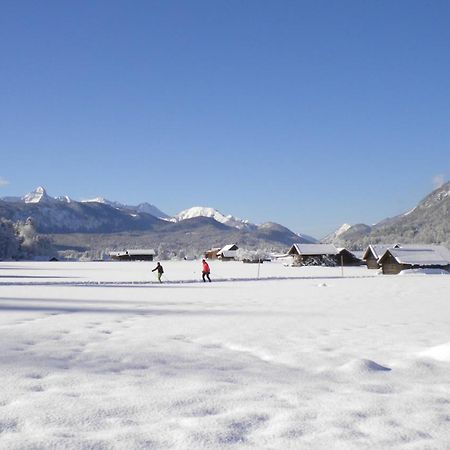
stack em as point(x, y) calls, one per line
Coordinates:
point(64, 215)
point(275, 231)
point(427, 223)
point(333, 237)
point(39, 195)
point(95, 223)
point(202, 211)
point(145, 207)
point(148, 208)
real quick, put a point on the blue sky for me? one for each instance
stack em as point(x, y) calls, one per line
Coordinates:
point(308, 113)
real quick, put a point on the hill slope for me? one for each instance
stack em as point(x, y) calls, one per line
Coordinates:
point(428, 222)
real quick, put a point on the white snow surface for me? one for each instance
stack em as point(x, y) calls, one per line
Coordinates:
point(315, 249)
point(101, 356)
point(424, 271)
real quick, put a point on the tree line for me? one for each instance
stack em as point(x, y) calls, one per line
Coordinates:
point(19, 240)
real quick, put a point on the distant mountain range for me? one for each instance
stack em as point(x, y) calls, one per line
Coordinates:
point(98, 223)
point(427, 223)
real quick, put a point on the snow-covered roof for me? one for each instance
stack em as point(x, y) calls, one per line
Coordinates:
point(357, 253)
point(141, 251)
point(134, 251)
point(228, 248)
point(314, 249)
point(378, 250)
point(426, 255)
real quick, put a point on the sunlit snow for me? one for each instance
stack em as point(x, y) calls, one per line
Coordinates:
point(100, 356)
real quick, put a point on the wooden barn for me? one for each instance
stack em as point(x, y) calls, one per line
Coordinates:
point(374, 252)
point(134, 255)
point(314, 254)
point(394, 260)
point(228, 253)
point(348, 258)
point(212, 253)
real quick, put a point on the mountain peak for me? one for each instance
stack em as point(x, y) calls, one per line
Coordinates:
point(206, 211)
point(342, 229)
point(148, 208)
point(39, 195)
point(436, 197)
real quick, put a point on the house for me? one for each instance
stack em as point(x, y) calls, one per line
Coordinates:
point(347, 258)
point(394, 260)
point(212, 253)
point(134, 255)
point(228, 253)
point(314, 254)
point(374, 252)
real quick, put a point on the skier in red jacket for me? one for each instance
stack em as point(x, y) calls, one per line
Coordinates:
point(205, 271)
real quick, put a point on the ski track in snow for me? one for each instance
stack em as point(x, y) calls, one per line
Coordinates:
point(300, 358)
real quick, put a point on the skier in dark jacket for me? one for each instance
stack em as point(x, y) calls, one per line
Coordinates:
point(205, 271)
point(160, 270)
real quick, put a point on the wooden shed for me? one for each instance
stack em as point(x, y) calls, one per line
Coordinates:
point(348, 258)
point(212, 253)
point(374, 252)
point(228, 253)
point(134, 255)
point(314, 254)
point(394, 260)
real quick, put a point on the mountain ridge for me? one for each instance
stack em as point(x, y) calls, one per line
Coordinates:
point(428, 223)
point(97, 223)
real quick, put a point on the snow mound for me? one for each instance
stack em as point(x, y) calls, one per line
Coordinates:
point(439, 353)
point(363, 366)
point(425, 271)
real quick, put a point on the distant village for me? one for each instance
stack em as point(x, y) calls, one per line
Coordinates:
point(389, 259)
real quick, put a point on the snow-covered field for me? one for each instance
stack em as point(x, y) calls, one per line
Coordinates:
point(100, 356)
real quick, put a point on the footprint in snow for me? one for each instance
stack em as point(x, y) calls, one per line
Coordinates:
point(35, 376)
point(36, 388)
point(8, 425)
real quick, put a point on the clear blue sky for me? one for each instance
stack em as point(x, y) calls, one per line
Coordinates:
point(308, 113)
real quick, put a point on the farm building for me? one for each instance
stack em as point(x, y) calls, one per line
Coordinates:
point(314, 254)
point(347, 258)
point(212, 253)
point(228, 253)
point(394, 260)
point(374, 252)
point(134, 255)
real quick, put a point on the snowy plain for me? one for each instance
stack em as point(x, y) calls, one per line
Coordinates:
point(100, 356)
